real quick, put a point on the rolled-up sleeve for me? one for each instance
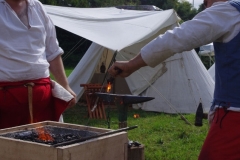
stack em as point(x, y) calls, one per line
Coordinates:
point(52, 45)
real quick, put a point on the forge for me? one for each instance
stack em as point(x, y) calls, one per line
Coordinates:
point(87, 143)
point(51, 135)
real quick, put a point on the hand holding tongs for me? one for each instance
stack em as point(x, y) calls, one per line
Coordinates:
point(109, 80)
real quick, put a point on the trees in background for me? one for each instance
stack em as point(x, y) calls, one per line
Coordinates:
point(110, 3)
point(184, 9)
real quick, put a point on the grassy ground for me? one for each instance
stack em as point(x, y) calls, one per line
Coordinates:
point(164, 136)
point(68, 71)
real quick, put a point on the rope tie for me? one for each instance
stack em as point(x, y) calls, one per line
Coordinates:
point(226, 112)
point(225, 107)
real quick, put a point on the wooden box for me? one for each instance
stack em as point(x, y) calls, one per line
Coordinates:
point(110, 147)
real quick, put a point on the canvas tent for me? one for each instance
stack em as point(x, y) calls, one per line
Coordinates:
point(206, 50)
point(179, 82)
point(211, 71)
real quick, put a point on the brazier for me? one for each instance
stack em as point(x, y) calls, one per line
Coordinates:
point(109, 147)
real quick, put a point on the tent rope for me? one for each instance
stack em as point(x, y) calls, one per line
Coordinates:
point(72, 50)
point(189, 80)
point(160, 94)
point(189, 83)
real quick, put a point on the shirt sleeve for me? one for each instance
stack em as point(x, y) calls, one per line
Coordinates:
point(52, 46)
point(208, 26)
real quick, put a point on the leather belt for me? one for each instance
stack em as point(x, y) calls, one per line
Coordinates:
point(30, 97)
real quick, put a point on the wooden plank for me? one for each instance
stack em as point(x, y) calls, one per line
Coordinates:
point(12, 149)
point(103, 148)
point(59, 154)
point(89, 105)
point(111, 147)
point(53, 123)
point(23, 127)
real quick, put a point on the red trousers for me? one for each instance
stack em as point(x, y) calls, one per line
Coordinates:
point(223, 139)
point(14, 107)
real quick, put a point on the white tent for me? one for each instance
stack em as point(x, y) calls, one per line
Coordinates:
point(211, 71)
point(179, 82)
point(206, 50)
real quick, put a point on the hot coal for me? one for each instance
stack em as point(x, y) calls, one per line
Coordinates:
point(58, 135)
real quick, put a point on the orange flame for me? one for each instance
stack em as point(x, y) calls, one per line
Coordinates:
point(109, 87)
point(44, 135)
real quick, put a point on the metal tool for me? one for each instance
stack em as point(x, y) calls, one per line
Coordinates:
point(112, 61)
point(122, 102)
point(124, 98)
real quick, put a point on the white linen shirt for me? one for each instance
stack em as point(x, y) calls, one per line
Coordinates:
point(220, 23)
point(25, 52)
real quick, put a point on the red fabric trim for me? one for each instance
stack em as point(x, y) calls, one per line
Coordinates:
point(223, 139)
point(14, 109)
point(21, 83)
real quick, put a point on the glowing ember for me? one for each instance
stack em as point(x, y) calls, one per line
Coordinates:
point(109, 86)
point(44, 135)
point(136, 116)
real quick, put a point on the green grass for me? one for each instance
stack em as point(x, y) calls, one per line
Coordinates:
point(68, 71)
point(164, 136)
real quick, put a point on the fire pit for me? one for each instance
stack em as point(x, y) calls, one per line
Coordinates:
point(51, 135)
point(39, 141)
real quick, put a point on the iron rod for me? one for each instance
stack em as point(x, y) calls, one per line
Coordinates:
point(112, 61)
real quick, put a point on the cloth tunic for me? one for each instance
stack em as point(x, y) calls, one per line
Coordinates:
point(25, 52)
point(223, 139)
point(206, 27)
point(219, 24)
point(227, 57)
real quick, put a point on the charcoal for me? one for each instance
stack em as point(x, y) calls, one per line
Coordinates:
point(58, 134)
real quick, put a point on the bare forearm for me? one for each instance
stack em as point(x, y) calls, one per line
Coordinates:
point(57, 70)
point(136, 63)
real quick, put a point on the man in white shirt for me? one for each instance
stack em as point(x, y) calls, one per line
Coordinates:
point(219, 23)
point(29, 51)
